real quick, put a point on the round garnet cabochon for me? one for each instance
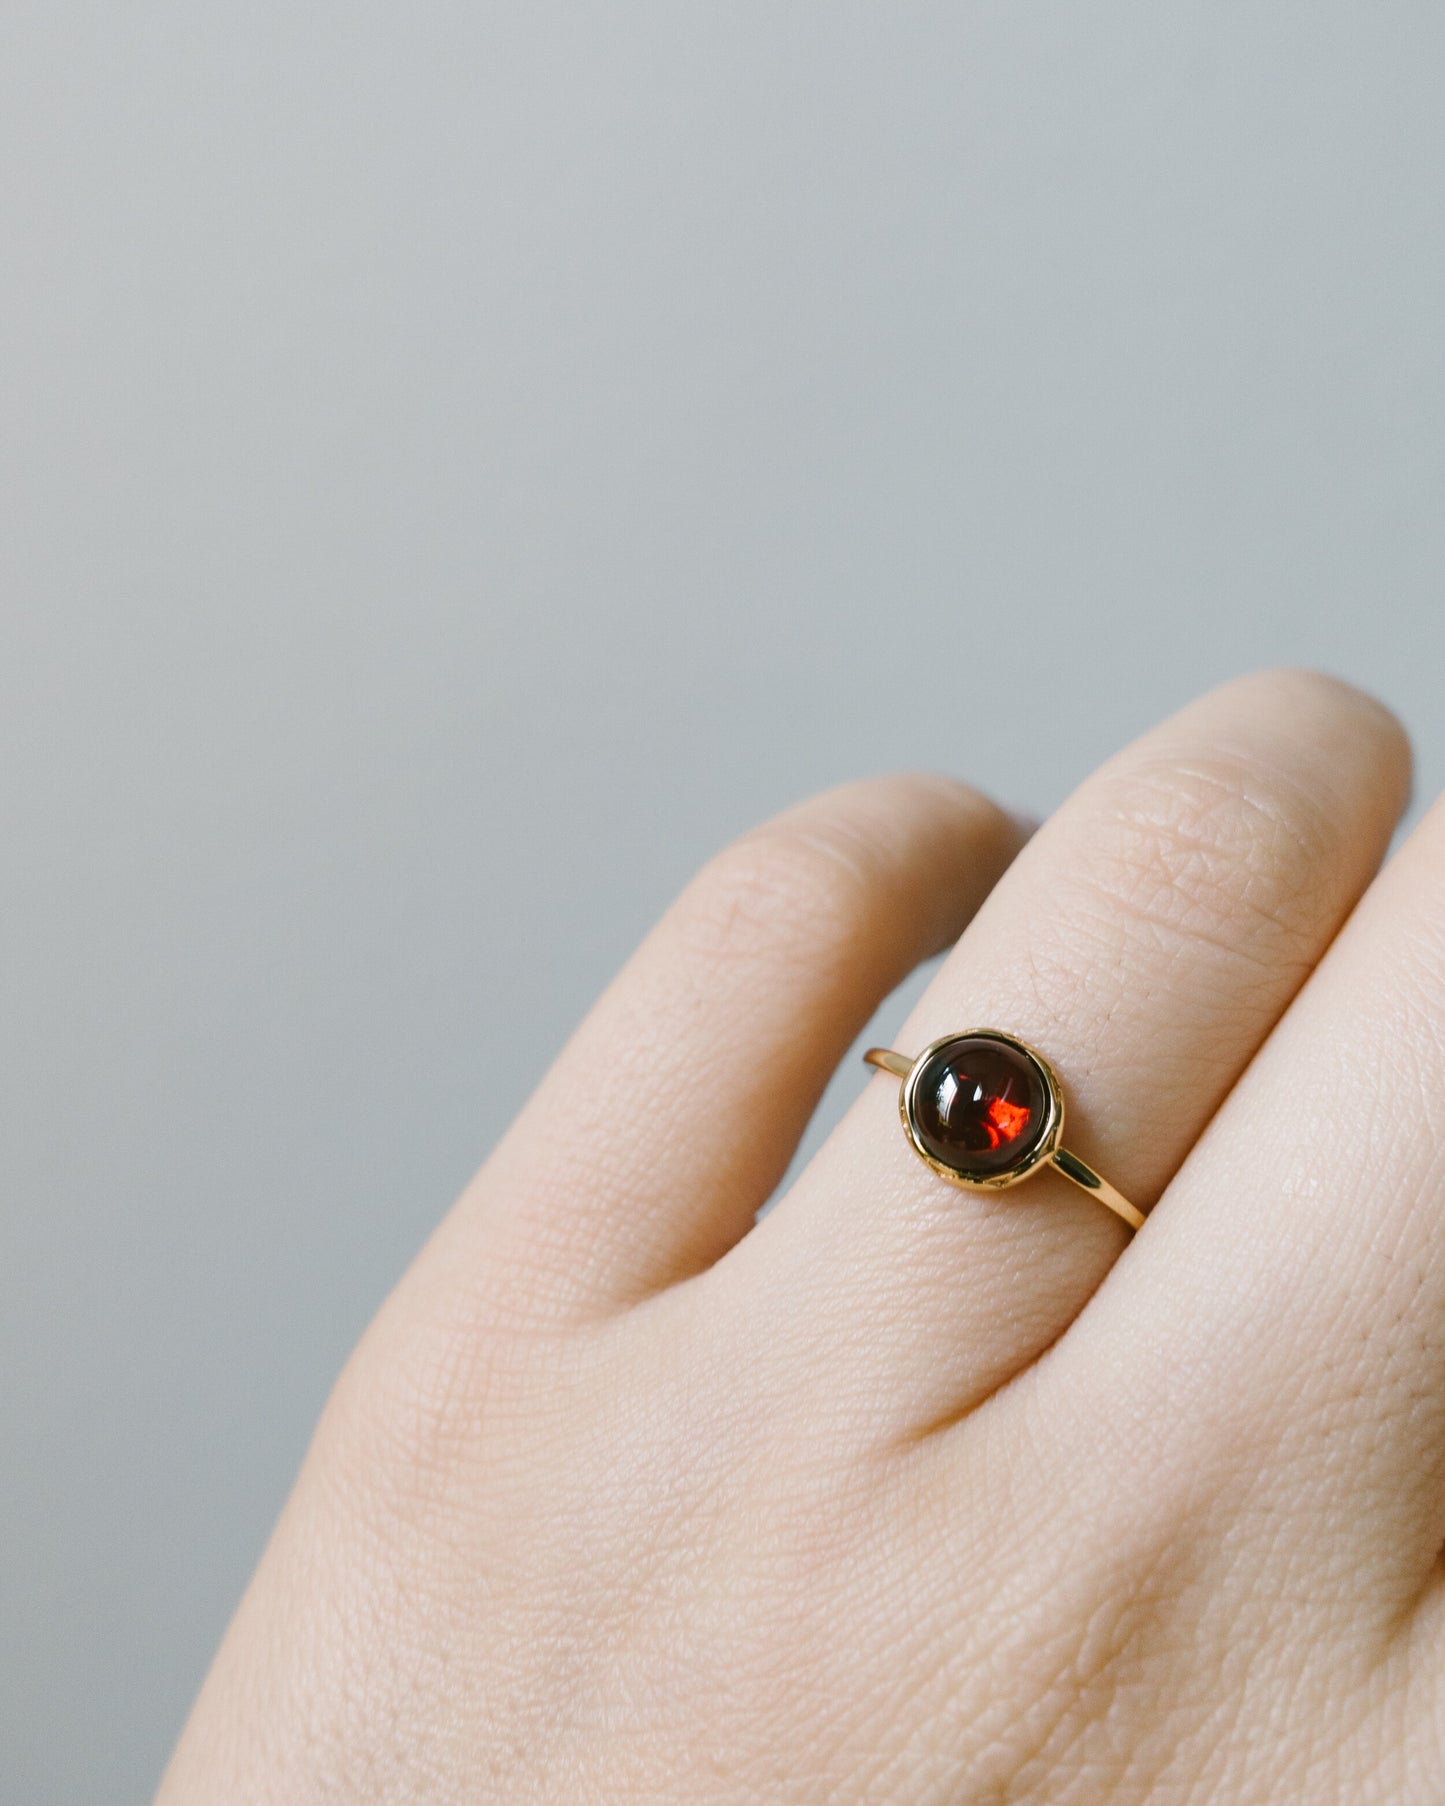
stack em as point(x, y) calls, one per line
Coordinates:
point(980, 1105)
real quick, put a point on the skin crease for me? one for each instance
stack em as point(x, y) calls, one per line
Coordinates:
point(905, 1494)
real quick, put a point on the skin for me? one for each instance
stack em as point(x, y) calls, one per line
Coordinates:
point(906, 1494)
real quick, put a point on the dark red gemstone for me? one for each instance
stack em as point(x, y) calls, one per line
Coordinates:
point(980, 1105)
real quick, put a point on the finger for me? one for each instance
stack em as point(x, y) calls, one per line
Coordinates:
point(671, 1115)
point(1291, 1306)
point(1145, 941)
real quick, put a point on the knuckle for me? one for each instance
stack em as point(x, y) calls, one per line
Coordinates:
point(420, 1403)
point(1217, 851)
point(781, 887)
point(821, 877)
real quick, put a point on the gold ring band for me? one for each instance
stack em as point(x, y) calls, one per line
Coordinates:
point(985, 1110)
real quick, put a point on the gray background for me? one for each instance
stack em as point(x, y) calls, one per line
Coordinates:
point(458, 464)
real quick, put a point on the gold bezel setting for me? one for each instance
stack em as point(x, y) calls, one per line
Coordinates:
point(1044, 1151)
point(1040, 1150)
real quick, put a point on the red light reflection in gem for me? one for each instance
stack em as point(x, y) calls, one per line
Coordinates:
point(1008, 1121)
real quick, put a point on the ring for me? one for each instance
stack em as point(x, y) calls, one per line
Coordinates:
point(985, 1110)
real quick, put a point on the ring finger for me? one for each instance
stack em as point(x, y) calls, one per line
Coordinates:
point(1145, 942)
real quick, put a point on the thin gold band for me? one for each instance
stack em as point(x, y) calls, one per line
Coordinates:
point(1070, 1165)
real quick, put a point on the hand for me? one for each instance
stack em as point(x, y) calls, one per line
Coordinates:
point(909, 1494)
